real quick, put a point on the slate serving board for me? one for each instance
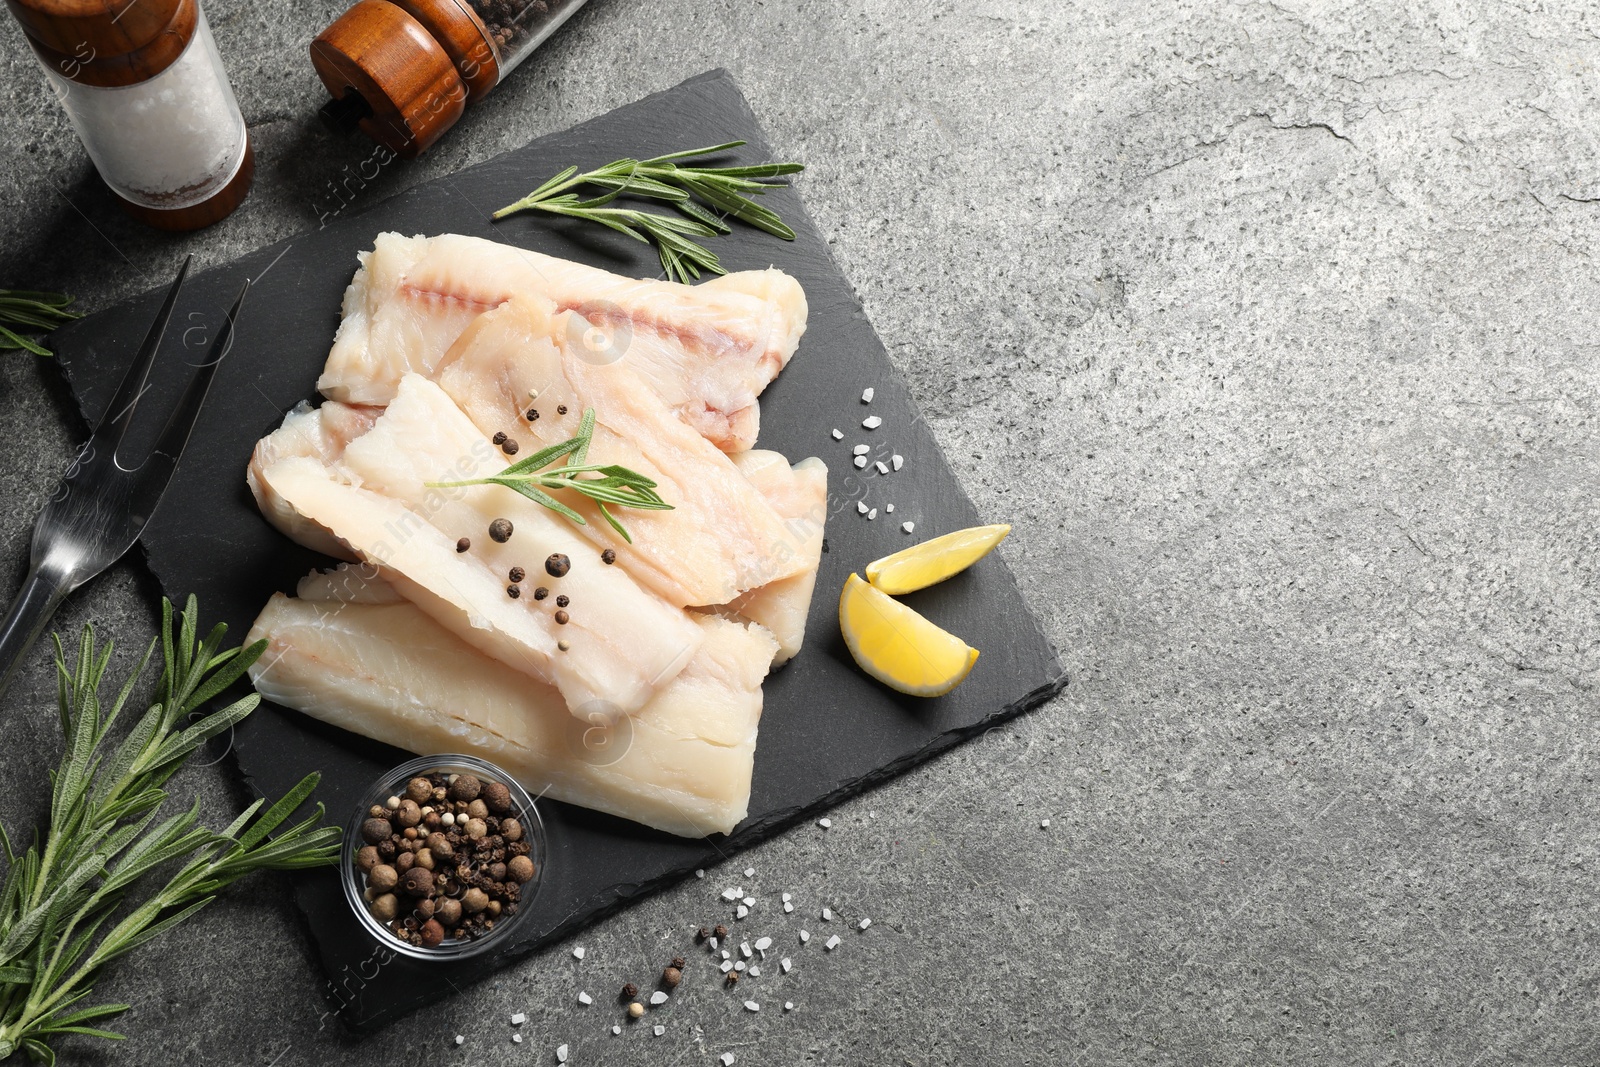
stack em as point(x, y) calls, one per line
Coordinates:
point(827, 732)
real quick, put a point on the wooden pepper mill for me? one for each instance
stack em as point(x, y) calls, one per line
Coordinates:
point(145, 88)
point(404, 71)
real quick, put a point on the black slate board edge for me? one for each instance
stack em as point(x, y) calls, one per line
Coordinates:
point(901, 732)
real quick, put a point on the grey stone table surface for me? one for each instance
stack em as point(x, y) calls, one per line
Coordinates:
point(1271, 327)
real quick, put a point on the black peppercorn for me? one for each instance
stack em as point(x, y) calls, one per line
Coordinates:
point(721, 931)
point(677, 963)
point(702, 934)
point(629, 991)
point(557, 565)
point(463, 544)
point(561, 409)
point(499, 438)
point(500, 531)
point(513, 592)
point(609, 556)
point(517, 574)
point(733, 978)
point(540, 593)
point(533, 415)
point(510, 447)
point(562, 601)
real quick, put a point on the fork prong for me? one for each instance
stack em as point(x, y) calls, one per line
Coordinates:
point(120, 413)
point(175, 435)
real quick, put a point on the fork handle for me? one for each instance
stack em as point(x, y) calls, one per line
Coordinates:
point(42, 592)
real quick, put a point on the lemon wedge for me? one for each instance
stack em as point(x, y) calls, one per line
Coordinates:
point(897, 646)
point(933, 561)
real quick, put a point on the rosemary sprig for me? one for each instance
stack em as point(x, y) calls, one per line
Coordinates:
point(616, 485)
point(704, 196)
point(23, 312)
point(88, 867)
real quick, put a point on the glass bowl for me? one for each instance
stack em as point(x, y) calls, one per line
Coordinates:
point(393, 784)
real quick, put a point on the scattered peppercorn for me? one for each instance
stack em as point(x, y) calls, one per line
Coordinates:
point(609, 556)
point(376, 830)
point(499, 438)
point(721, 931)
point(732, 978)
point(636, 1010)
point(561, 618)
point(500, 531)
point(671, 977)
point(517, 574)
point(464, 543)
point(557, 565)
point(561, 409)
point(563, 645)
point(562, 601)
point(513, 592)
point(533, 415)
point(677, 962)
point(703, 934)
point(510, 447)
point(629, 991)
point(540, 593)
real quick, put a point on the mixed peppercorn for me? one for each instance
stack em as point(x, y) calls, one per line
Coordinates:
point(444, 860)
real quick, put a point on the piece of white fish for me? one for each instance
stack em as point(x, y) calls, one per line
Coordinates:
point(322, 434)
point(707, 350)
point(376, 665)
point(623, 641)
point(721, 538)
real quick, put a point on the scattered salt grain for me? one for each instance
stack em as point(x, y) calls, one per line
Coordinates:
point(883, 468)
point(838, 435)
point(908, 526)
point(726, 953)
point(755, 971)
point(739, 966)
point(742, 912)
point(827, 915)
point(872, 514)
point(561, 1054)
point(785, 964)
point(749, 872)
point(726, 1059)
point(751, 1005)
point(897, 461)
point(866, 395)
point(1044, 824)
point(763, 943)
point(788, 1005)
point(863, 924)
point(518, 1019)
point(659, 1030)
point(460, 1039)
point(516, 1039)
point(860, 450)
point(584, 998)
point(749, 902)
point(860, 461)
point(657, 999)
point(805, 935)
point(871, 422)
point(714, 946)
point(788, 907)
point(726, 966)
point(615, 1029)
point(744, 950)
point(578, 953)
point(861, 508)
point(833, 943)
point(825, 823)
point(787, 898)
point(730, 894)
point(700, 873)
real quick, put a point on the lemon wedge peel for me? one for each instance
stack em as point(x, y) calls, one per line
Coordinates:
point(898, 646)
point(934, 560)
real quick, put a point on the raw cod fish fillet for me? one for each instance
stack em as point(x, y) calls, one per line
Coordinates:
point(722, 537)
point(624, 642)
point(320, 433)
point(367, 661)
point(708, 350)
point(799, 494)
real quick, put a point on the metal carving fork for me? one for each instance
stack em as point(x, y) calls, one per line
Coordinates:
point(106, 498)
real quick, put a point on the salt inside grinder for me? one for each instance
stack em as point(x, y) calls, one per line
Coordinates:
point(144, 86)
point(405, 70)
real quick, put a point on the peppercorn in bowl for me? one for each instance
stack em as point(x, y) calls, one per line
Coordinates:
point(442, 856)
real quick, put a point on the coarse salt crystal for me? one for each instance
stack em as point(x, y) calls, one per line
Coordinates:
point(460, 1039)
point(872, 514)
point(616, 1029)
point(908, 526)
point(860, 461)
point(883, 468)
point(785, 964)
point(787, 898)
point(805, 935)
point(833, 943)
point(754, 971)
point(744, 949)
point(518, 1019)
point(897, 461)
point(578, 953)
point(827, 914)
point(516, 1039)
point(726, 966)
point(727, 1059)
point(863, 924)
point(788, 1005)
point(763, 943)
point(838, 435)
point(700, 873)
point(749, 902)
point(866, 395)
point(561, 1054)
point(730, 894)
point(860, 450)
point(713, 944)
point(741, 912)
point(825, 823)
point(788, 907)
point(751, 1005)
point(1044, 824)
point(739, 965)
point(749, 872)
point(584, 998)
point(861, 508)
point(726, 953)
point(657, 999)
point(659, 1030)
point(871, 422)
